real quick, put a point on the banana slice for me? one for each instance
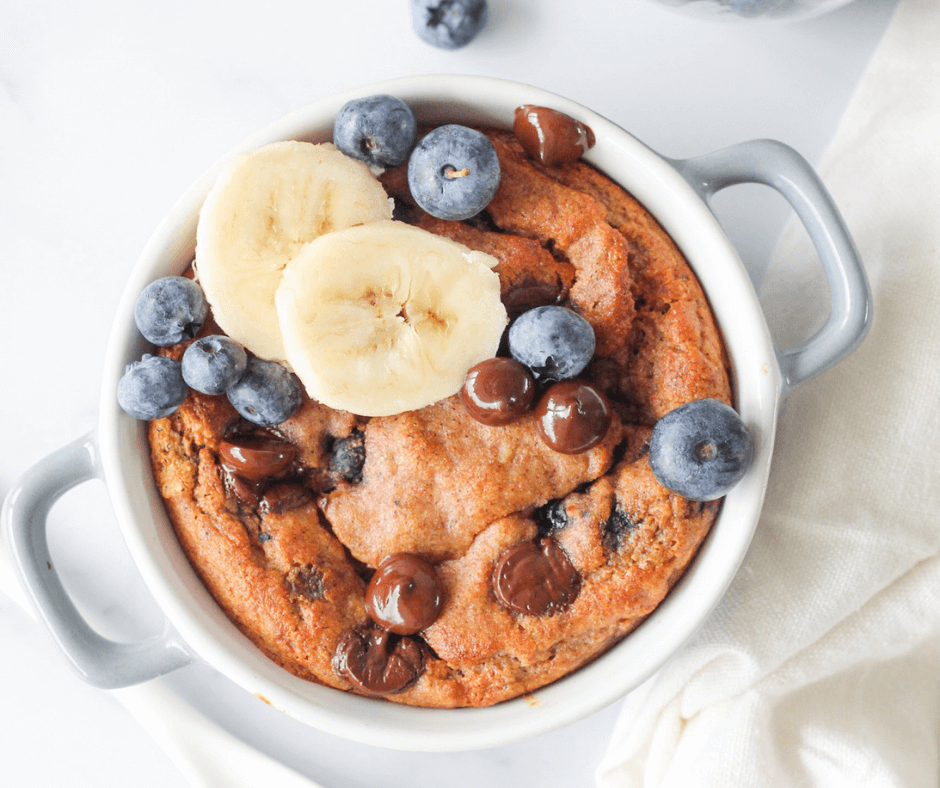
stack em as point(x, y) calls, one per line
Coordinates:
point(263, 209)
point(385, 317)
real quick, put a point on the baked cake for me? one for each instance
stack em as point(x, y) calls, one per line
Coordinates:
point(543, 559)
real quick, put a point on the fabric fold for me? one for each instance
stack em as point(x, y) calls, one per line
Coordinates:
point(821, 667)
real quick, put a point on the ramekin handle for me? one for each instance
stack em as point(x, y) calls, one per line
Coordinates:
point(777, 165)
point(99, 661)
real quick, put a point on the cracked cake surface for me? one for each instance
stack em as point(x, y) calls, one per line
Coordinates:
point(288, 547)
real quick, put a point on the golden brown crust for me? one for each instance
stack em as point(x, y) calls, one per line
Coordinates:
point(573, 223)
point(436, 477)
point(290, 568)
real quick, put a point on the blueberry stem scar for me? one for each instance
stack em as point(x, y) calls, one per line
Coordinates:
point(706, 450)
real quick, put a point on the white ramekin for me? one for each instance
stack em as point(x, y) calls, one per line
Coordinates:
point(676, 192)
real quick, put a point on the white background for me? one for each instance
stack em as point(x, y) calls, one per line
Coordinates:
point(109, 110)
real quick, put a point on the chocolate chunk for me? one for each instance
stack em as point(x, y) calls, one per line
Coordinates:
point(377, 662)
point(536, 578)
point(552, 517)
point(549, 136)
point(498, 391)
point(256, 456)
point(615, 529)
point(348, 455)
point(305, 581)
point(403, 212)
point(404, 595)
point(284, 497)
point(247, 493)
point(572, 416)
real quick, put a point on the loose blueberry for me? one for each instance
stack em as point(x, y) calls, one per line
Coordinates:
point(378, 130)
point(152, 387)
point(701, 450)
point(170, 310)
point(213, 363)
point(453, 172)
point(267, 393)
point(448, 24)
point(553, 341)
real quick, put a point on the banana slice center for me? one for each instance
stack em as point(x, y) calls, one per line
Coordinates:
point(384, 317)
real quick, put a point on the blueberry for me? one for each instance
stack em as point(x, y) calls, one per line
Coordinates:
point(170, 310)
point(213, 363)
point(348, 456)
point(616, 529)
point(448, 24)
point(551, 517)
point(453, 172)
point(553, 341)
point(267, 393)
point(152, 387)
point(701, 450)
point(378, 130)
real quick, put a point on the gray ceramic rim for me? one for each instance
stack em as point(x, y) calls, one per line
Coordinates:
point(676, 192)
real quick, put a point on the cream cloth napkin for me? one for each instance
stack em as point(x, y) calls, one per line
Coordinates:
point(821, 667)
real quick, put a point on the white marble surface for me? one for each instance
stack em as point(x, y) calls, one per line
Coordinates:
point(109, 110)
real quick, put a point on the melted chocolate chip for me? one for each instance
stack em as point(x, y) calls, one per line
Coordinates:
point(552, 517)
point(348, 456)
point(404, 595)
point(536, 578)
point(284, 497)
point(403, 212)
point(245, 492)
point(551, 137)
point(572, 416)
point(255, 457)
point(305, 581)
point(498, 391)
point(377, 662)
point(615, 529)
